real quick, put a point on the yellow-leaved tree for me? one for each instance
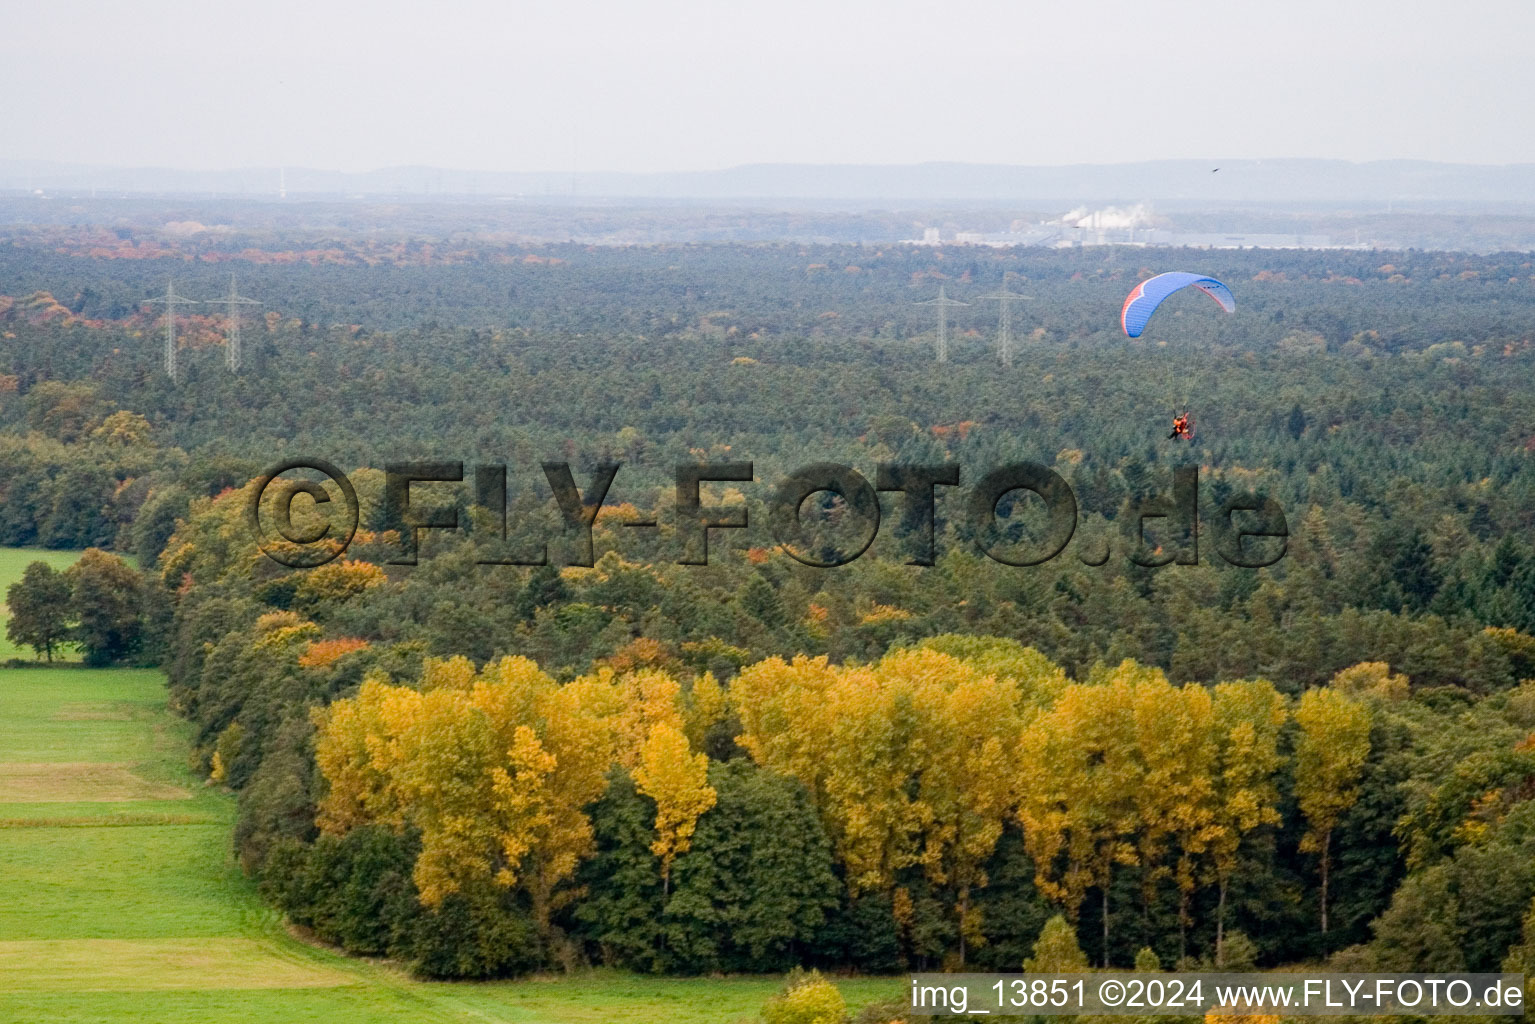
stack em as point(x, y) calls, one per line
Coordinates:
point(578, 725)
point(705, 707)
point(1330, 755)
point(1372, 679)
point(969, 724)
point(1175, 799)
point(910, 761)
point(1078, 781)
point(1248, 718)
point(784, 725)
point(844, 736)
point(678, 781)
point(493, 768)
point(650, 698)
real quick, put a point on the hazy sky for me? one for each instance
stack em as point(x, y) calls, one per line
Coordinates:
point(677, 85)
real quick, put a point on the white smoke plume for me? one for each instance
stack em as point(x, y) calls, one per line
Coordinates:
point(1110, 218)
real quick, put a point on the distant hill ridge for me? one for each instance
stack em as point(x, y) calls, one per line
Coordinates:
point(1259, 181)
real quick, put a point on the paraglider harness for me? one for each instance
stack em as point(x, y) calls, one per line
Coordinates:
point(1183, 428)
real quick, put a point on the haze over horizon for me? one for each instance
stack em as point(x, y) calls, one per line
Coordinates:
point(597, 86)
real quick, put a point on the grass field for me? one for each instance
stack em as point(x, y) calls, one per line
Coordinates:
point(120, 901)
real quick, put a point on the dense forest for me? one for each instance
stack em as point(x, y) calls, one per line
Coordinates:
point(756, 763)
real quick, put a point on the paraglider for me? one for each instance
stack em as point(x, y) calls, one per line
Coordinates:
point(1183, 428)
point(1145, 297)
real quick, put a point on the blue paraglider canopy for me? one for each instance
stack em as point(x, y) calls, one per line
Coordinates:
point(1144, 299)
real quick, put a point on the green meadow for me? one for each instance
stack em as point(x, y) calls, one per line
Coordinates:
point(120, 899)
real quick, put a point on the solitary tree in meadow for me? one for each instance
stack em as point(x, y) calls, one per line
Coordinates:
point(39, 609)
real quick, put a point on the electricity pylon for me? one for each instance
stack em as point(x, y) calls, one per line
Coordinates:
point(232, 324)
point(171, 300)
point(1005, 321)
point(943, 302)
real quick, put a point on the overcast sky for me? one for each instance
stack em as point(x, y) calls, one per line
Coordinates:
point(679, 85)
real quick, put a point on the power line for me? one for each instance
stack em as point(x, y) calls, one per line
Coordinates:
point(1005, 321)
point(171, 301)
point(232, 324)
point(943, 302)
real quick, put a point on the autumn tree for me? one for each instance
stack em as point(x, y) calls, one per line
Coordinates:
point(844, 736)
point(1039, 680)
point(705, 707)
point(577, 724)
point(677, 780)
point(337, 581)
point(493, 769)
point(1248, 718)
point(1371, 679)
point(1174, 740)
point(1330, 753)
point(1078, 784)
point(911, 761)
point(647, 699)
point(970, 723)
